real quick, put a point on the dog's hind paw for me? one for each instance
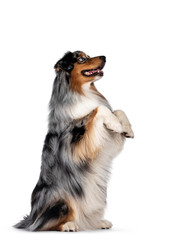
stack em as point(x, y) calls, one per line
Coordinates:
point(69, 227)
point(104, 224)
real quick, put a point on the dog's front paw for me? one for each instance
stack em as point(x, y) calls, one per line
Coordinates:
point(109, 119)
point(113, 124)
point(127, 131)
point(104, 224)
point(126, 126)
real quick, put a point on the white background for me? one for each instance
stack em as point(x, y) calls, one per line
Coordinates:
point(141, 40)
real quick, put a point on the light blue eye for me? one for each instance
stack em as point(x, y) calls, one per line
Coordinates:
point(82, 59)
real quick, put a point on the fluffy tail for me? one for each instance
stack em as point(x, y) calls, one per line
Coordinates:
point(25, 223)
point(50, 218)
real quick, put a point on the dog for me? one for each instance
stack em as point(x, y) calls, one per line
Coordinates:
point(84, 135)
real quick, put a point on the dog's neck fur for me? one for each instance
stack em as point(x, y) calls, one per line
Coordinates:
point(67, 105)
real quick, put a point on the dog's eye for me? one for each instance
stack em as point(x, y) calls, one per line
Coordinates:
point(82, 60)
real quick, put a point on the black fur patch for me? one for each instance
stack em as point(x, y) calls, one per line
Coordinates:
point(67, 62)
point(59, 210)
point(77, 133)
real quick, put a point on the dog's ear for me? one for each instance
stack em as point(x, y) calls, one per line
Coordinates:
point(66, 63)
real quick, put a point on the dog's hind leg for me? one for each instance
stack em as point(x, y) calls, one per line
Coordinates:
point(56, 216)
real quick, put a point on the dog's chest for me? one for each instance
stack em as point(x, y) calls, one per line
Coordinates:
point(83, 107)
point(87, 103)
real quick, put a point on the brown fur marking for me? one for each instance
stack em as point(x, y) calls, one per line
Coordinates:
point(77, 79)
point(86, 147)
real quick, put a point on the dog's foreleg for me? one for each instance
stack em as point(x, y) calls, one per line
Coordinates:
point(127, 130)
point(95, 134)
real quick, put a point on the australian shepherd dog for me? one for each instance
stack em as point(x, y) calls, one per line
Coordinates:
point(84, 135)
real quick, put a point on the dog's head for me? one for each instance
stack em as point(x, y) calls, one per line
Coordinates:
point(81, 68)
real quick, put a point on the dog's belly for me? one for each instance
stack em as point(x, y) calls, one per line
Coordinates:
point(113, 147)
point(90, 210)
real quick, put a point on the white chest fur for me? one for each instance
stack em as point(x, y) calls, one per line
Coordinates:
point(86, 103)
point(83, 107)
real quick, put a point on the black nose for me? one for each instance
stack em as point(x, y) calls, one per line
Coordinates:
point(103, 58)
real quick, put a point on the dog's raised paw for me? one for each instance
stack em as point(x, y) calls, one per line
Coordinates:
point(113, 125)
point(127, 131)
point(110, 121)
point(69, 227)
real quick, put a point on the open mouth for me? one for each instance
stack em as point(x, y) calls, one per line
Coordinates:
point(94, 72)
